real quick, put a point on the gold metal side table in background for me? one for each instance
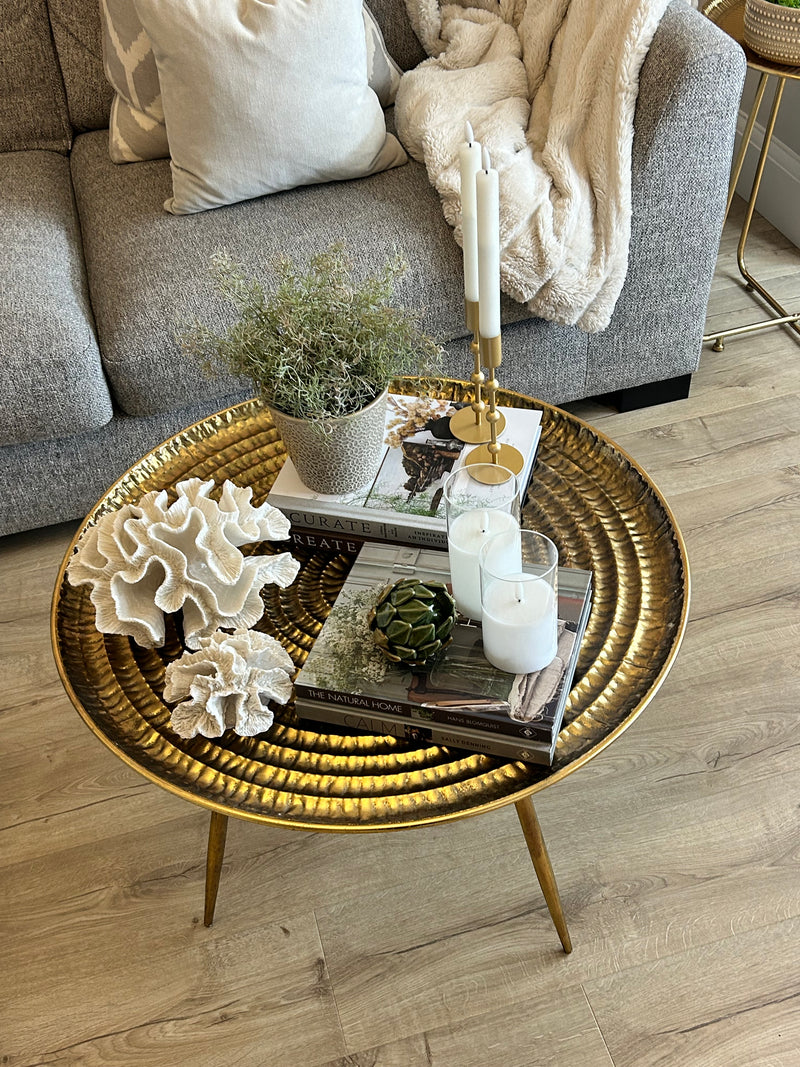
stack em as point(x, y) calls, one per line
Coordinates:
point(729, 16)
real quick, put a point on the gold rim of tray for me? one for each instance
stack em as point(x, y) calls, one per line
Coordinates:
point(586, 493)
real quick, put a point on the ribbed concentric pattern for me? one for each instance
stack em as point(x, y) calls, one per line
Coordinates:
point(587, 495)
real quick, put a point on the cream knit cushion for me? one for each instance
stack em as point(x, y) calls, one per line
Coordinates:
point(259, 97)
point(136, 126)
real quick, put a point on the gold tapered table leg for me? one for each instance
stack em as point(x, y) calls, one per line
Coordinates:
point(217, 832)
point(544, 871)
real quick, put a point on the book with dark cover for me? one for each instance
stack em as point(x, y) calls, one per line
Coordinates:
point(404, 501)
point(460, 690)
point(374, 722)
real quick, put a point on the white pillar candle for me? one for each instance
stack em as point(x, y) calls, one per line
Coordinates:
point(465, 537)
point(520, 624)
point(487, 195)
point(469, 156)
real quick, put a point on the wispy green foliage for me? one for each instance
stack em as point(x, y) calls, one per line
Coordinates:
point(319, 344)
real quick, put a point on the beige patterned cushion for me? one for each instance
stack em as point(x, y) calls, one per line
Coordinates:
point(136, 126)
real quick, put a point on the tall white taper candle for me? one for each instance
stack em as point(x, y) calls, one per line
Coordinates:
point(469, 155)
point(487, 192)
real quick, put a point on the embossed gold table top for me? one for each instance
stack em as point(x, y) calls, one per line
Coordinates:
point(591, 498)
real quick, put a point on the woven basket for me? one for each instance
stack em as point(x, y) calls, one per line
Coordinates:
point(773, 31)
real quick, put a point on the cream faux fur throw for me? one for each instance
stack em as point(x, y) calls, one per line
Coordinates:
point(550, 89)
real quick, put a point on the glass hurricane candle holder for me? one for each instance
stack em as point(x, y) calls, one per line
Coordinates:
point(480, 501)
point(519, 600)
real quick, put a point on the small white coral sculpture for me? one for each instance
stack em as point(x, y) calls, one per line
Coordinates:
point(222, 685)
point(154, 557)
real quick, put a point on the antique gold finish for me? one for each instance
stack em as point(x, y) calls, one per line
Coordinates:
point(586, 494)
point(503, 455)
point(217, 832)
point(469, 424)
point(544, 871)
point(729, 16)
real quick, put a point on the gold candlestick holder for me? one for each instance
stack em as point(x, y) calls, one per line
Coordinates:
point(469, 424)
point(502, 455)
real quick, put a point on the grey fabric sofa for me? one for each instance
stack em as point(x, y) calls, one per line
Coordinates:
point(95, 274)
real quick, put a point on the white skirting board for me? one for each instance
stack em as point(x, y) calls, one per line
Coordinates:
point(779, 195)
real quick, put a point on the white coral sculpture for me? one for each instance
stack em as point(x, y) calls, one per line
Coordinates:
point(227, 683)
point(154, 557)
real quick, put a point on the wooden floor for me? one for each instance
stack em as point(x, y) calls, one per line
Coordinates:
point(677, 851)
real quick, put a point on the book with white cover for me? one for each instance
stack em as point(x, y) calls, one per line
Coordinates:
point(404, 501)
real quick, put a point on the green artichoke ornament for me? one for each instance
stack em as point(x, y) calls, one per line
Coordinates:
point(413, 620)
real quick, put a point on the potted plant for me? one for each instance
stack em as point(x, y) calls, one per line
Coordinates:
point(321, 349)
point(772, 29)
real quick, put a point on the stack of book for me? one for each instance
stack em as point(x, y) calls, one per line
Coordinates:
point(404, 502)
point(460, 700)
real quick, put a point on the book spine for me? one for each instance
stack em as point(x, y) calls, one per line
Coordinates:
point(361, 702)
point(540, 730)
point(456, 718)
point(320, 541)
point(375, 723)
point(306, 522)
point(346, 544)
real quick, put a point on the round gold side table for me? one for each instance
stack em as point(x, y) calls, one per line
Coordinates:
point(592, 499)
point(729, 16)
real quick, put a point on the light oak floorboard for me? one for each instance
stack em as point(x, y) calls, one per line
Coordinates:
point(736, 1001)
point(654, 892)
point(532, 1037)
point(192, 997)
point(676, 851)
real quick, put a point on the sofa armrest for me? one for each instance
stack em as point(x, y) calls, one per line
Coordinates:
point(691, 81)
point(684, 127)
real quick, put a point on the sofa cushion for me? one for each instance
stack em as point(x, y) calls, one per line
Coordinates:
point(149, 270)
point(136, 125)
point(264, 97)
point(52, 383)
point(76, 32)
point(33, 110)
point(44, 482)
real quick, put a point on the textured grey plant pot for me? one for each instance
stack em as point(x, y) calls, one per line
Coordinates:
point(342, 457)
